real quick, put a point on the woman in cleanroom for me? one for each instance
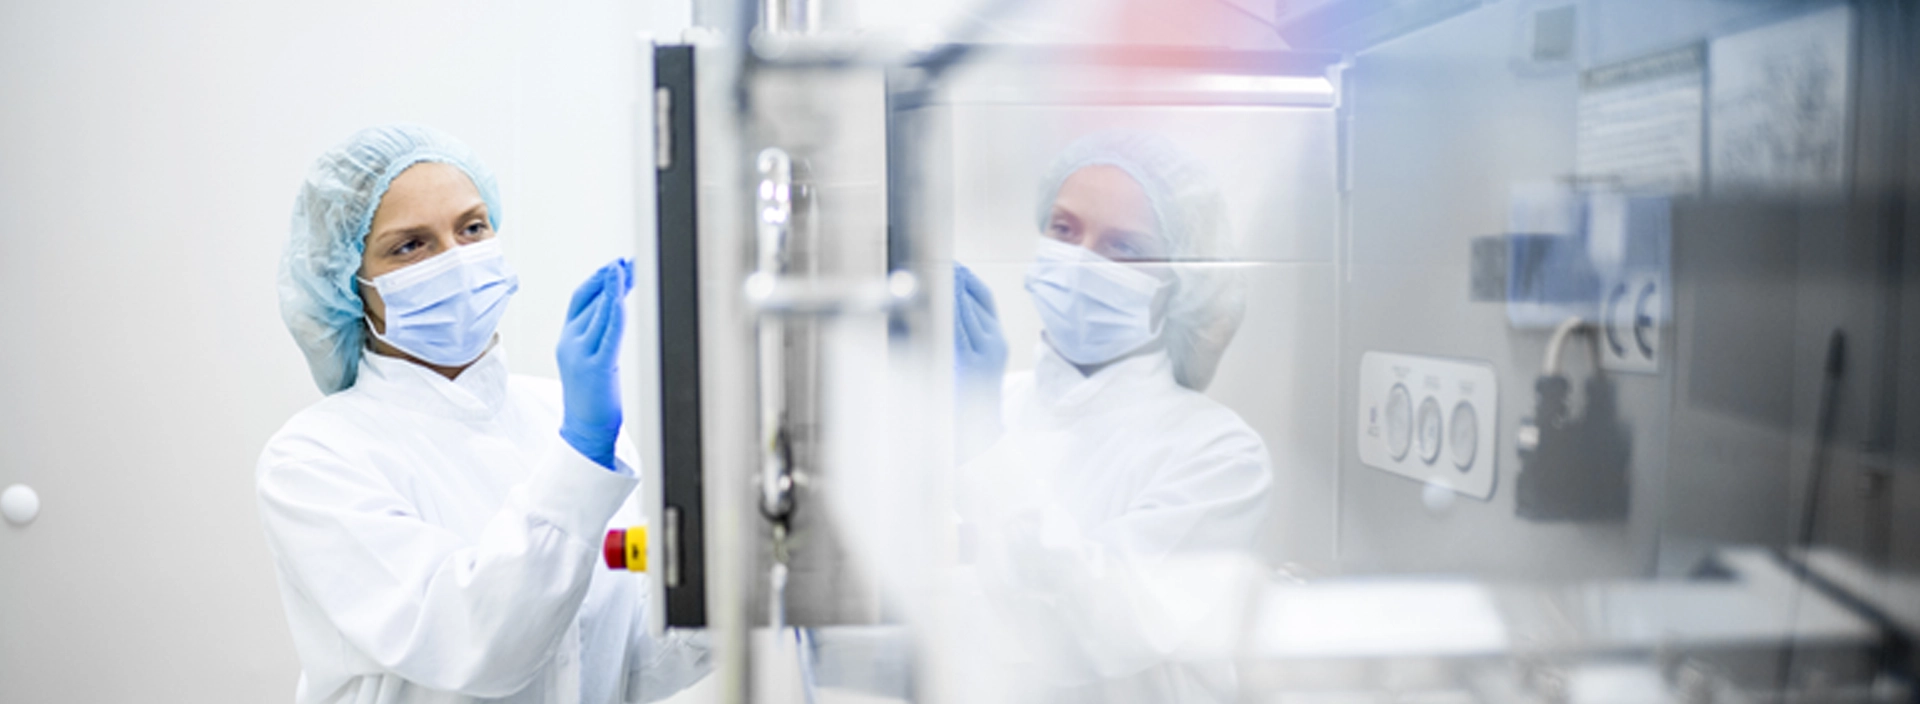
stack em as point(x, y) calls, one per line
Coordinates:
point(435, 520)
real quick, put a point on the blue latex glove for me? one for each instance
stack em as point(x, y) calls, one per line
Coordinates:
point(979, 362)
point(589, 357)
point(980, 350)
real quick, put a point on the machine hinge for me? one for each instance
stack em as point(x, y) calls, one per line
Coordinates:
point(670, 546)
point(662, 128)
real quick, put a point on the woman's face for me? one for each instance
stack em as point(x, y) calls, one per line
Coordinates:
point(1104, 210)
point(429, 209)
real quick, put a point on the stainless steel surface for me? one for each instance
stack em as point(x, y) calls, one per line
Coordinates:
point(820, 289)
point(990, 135)
point(1448, 634)
point(1360, 192)
point(1437, 127)
point(817, 242)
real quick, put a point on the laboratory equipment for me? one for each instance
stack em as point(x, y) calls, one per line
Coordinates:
point(1454, 398)
point(1540, 404)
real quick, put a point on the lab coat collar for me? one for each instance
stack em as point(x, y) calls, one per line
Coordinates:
point(477, 394)
point(1058, 384)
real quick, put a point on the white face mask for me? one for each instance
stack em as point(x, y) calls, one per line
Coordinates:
point(444, 310)
point(1094, 309)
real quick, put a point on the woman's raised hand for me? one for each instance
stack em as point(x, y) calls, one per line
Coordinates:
point(589, 357)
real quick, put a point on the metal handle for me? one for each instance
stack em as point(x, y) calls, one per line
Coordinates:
point(773, 207)
point(778, 296)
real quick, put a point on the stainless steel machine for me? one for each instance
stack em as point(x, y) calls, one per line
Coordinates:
point(1579, 354)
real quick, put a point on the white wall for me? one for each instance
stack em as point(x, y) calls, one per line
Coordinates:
point(149, 154)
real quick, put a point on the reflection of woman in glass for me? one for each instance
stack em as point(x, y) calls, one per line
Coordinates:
point(1113, 462)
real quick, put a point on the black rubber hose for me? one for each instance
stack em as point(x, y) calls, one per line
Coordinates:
point(1823, 444)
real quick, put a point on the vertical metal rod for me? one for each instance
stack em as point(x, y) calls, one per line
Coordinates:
point(919, 351)
point(789, 16)
point(773, 209)
point(806, 13)
point(773, 16)
point(724, 70)
point(777, 596)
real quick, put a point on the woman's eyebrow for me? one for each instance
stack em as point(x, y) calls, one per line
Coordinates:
point(478, 210)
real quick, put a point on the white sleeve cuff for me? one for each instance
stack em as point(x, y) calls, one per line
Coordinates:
point(576, 493)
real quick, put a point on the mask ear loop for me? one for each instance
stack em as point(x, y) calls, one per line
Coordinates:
point(375, 334)
point(366, 319)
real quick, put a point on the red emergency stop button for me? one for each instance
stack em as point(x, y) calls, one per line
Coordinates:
point(615, 549)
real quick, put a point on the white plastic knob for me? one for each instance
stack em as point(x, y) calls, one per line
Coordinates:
point(1437, 495)
point(20, 503)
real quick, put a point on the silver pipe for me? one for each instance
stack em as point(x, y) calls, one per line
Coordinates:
point(789, 16)
point(726, 333)
point(773, 209)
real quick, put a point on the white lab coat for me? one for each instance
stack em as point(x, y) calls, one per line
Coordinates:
point(436, 541)
point(1084, 512)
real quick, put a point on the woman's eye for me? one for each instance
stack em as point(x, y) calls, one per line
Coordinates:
point(476, 228)
point(1059, 231)
point(406, 248)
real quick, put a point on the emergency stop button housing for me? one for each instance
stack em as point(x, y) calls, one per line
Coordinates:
point(626, 549)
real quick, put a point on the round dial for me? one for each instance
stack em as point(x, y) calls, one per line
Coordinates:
point(1399, 421)
point(1463, 435)
point(1428, 429)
